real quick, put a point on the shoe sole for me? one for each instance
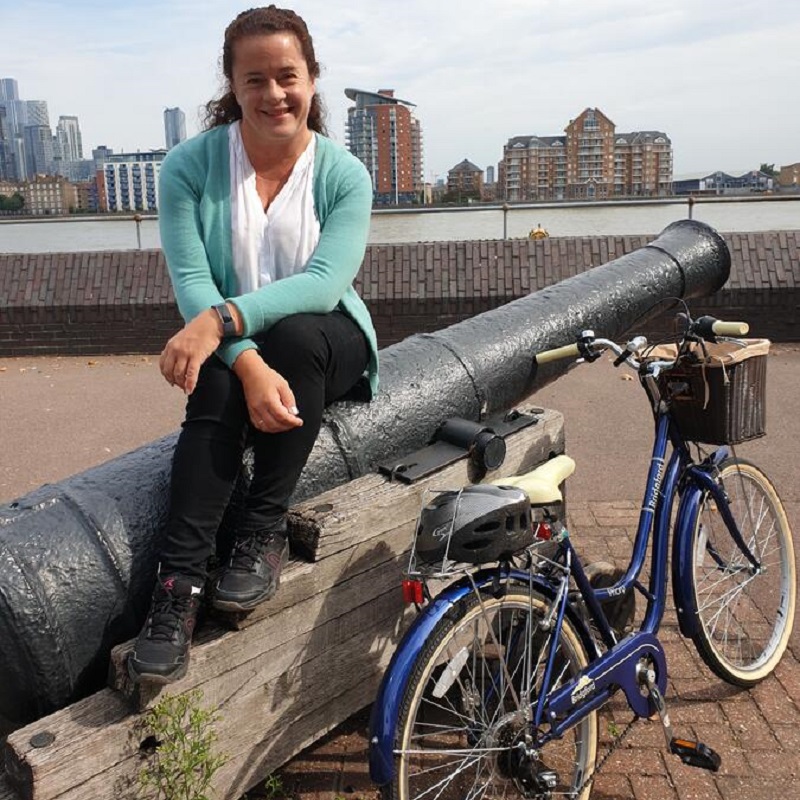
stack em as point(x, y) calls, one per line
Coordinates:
point(249, 605)
point(154, 677)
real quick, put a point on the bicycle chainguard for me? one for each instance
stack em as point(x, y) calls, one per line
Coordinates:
point(695, 754)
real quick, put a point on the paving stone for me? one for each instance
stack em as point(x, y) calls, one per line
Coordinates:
point(611, 787)
point(692, 783)
point(655, 787)
point(775, 702)
point(774, 763)
point(755, 788)
point(636, 761)
point(748, 726)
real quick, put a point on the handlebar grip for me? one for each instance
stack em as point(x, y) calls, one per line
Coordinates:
point(567, 351)
point(722, 328)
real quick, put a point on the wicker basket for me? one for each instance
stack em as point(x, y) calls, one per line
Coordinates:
point(720, 399)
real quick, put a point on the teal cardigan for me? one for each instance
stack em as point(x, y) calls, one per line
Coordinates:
point(195, 225)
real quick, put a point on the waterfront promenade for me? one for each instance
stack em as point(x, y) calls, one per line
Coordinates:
point(62, 415)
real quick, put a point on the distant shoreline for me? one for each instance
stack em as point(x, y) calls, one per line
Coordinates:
point(434, 209)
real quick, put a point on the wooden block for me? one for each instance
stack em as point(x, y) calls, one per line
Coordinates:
point(294, 669)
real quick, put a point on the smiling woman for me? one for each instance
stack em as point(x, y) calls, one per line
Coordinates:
point(263, 224)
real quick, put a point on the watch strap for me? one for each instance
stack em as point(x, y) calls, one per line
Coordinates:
point(226, 318)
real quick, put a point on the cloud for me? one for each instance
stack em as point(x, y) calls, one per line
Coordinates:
point(718, 76)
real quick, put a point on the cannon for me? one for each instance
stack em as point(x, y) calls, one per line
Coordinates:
point(78, 557)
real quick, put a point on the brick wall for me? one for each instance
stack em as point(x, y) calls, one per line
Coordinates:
point(122, 302)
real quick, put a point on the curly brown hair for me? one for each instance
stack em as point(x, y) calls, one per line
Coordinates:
point(254, 22)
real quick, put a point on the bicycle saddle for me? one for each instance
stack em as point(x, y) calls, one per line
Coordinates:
point(541, 484)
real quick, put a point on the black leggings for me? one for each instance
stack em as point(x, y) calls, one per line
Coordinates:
point(322, 356)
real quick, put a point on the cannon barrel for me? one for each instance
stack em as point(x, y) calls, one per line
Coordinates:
point(79, 556)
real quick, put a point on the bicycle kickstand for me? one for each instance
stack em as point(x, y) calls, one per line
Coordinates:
point(694, 754)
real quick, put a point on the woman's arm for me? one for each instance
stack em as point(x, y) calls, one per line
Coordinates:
point(192, 280)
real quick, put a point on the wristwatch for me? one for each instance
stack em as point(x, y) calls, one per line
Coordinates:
point(226, 318)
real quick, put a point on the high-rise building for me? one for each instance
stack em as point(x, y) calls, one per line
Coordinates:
point(15, 114)
point(37, 113)
point(174, 126)
point(384, 134)
point(592, 161)
point(38, 150)
point(68, 135)
point(8, 89)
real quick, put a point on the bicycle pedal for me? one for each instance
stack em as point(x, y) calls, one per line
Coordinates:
point(695, 754)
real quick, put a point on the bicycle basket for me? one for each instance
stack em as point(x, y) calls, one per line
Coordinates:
point(720, 398)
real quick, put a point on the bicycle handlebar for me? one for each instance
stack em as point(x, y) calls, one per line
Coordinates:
point(590, 348)
point(567, 351)
point(721, 328)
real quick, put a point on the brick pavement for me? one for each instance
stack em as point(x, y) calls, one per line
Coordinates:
point(756, 732)
point(52, 431)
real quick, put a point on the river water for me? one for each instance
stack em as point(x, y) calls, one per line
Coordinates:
point(585, 219)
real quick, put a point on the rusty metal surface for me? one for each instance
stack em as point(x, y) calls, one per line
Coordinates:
point(78, 557)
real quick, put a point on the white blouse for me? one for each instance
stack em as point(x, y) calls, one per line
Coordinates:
point(271, 245)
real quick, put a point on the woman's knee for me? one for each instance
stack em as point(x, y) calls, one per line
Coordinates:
point(295, 342)
point(218, 397)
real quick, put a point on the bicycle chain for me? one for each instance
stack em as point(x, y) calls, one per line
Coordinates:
point(617, 742)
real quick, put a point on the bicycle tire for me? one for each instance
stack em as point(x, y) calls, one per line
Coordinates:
point(460, 744)
point(745, 620)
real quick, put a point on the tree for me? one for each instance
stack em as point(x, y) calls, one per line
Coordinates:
point(768, 169)
point(13, 203)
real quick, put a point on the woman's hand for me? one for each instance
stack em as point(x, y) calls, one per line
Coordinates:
point(270, 400)
point(188, 349)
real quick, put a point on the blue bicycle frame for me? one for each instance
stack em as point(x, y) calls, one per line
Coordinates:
point(616, 668)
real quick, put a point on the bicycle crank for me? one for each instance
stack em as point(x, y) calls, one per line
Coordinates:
point(693, 754)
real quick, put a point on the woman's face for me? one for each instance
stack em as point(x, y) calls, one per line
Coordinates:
point(272, 85)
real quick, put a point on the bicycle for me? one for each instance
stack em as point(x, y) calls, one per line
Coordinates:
point(495, 688)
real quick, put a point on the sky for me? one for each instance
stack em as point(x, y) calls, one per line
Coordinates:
point(719, 77)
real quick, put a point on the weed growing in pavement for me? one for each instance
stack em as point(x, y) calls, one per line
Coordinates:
point(273, 787)
point(181, 763)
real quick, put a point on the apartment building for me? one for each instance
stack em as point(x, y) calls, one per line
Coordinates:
point(49, 195)
point(789, 176)
point(383, 133)
point(465, 180)
point(591, 162)
point(129, 181)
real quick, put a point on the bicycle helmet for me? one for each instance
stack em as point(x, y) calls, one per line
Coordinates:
point(476, 525)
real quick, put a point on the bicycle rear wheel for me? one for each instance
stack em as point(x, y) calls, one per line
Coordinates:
point(745, 617)
point(464, 729)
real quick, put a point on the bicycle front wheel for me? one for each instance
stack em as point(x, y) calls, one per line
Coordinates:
point(464, 729)
point(745, 615)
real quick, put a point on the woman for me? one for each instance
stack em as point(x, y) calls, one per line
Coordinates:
point(264, 224)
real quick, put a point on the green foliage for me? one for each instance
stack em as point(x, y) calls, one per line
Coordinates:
point(182, 763)
point(613, 729)
point(273, 787)
point(768, 169)
point(13, 203)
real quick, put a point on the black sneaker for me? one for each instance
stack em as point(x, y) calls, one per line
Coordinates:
point(253, 572)
point(161, 651)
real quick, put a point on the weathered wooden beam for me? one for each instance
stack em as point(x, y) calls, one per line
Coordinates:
point(296, 667)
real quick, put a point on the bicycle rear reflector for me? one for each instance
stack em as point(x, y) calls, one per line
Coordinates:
point(412, 592)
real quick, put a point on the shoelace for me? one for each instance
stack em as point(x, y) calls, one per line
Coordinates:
point(167, 615)
point(247, 552)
